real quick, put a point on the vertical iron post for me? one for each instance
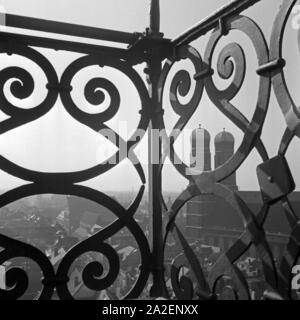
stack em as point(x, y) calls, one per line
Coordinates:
point(154, 67)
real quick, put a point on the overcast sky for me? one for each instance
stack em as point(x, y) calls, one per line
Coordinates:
point(57, 142)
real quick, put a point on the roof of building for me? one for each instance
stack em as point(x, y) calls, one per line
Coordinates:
point(221, 214)
point(200, 135)
point(198, 131)
point(224, 138)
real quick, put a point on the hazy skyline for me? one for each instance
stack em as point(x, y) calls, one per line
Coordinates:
point(64, 144)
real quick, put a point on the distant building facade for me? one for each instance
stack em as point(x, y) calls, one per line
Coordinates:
point(211, 219)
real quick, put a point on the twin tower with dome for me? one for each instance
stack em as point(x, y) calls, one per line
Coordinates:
point(201, 154)
point(211, 219)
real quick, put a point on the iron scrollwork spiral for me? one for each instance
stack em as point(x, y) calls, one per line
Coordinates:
point(187, 276)
point(291, 115)
point(66, 183)
point(22, 86)
point(181, 85)
point(231, 64)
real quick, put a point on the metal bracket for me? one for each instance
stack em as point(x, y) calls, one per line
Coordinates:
point(275, 179)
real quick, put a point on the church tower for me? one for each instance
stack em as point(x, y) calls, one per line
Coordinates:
point(224, 148)
point(200, 154)
point(199, 208)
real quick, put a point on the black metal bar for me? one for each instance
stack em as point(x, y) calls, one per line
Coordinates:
point(10, 39)
point(277, 64)
point(155, 179)
point(76, 30)
point(154, 17)
point(201, 28)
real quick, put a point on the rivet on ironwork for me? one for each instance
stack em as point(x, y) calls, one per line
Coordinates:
point(270, 179)
point(203, 74)
point(274, 65)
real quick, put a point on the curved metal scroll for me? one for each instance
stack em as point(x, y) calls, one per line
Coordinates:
point(66, 183)
point(231, 63)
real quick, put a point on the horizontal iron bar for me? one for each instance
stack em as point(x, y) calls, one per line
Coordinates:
point(12, 40)
point(76, 30)
point(203, 74)
point(212, 21)
point(277, 64)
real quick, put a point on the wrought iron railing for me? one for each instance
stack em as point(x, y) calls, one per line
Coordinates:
point(160, 54)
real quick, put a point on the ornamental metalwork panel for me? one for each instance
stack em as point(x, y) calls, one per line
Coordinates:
point(160, 55)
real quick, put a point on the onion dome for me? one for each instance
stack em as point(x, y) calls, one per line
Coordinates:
point(224, 141)
point(200, 138)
